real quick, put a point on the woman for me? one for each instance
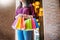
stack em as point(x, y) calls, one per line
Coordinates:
point(26, 9)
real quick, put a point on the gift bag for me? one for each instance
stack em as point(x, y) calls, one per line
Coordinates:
point(33, 23)
point(18, 23)
point(28, 24)
point(22, 24)
point(37, 26)
point(14, 23)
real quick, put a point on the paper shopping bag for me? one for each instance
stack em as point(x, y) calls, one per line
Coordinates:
point(37, 26)
point(14, 23)
point(28, 24)
point(19, 23)
point(22, 24)
point(33, 23)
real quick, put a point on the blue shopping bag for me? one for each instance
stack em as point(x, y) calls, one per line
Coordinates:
point(37, 26)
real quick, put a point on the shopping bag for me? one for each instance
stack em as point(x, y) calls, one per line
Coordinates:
point(19, 23)
point(28, 24)
point(37, 26)
point(22, 24)
point(14, 23)
point(33, 23)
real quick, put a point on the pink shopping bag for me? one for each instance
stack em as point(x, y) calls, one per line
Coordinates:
point(33, 23)
point(14, 23)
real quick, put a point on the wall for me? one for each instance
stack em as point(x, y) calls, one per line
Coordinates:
point(51, 19)
point(6, 19)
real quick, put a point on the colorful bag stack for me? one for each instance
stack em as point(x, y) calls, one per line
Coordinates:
point(22, 24)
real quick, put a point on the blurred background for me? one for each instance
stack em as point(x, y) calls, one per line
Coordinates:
point(7, 12)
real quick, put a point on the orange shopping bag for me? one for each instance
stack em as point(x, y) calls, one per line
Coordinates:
point(22, 24)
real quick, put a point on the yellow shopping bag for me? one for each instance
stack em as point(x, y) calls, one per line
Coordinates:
point(18, 23)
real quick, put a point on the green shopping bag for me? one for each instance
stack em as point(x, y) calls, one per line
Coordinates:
point(28, 24)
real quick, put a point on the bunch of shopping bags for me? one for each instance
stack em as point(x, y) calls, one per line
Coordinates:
point(22, 24)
